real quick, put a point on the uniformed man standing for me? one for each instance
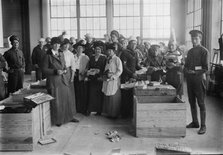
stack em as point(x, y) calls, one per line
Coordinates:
point(16, 64)
point(196, 66)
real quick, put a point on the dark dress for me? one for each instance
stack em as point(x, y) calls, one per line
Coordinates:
point(89, 51)
point(130, 65)
point(158, 63)
point(95, 85)
point(63, 107)
point(37, 59)
point(16, 63)
point(2, 83)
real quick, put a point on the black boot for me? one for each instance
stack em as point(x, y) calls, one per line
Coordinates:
point(194, 123)
point(203, 124)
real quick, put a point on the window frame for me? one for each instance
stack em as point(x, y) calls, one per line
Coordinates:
point(109, 15)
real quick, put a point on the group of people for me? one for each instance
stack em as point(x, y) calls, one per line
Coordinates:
point(84, 76)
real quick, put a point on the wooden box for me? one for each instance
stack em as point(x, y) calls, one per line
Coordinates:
point(159, 116)
point(21, 131)
point(156, 90)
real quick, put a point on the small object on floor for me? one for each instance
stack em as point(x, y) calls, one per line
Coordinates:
point(192, 125)
point(74, 120)
point(46, 141)
point(202, 130)
point(113, 136)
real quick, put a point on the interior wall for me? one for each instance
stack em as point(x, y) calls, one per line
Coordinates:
point(215, 23)
point(11, 19)
point(178, 19)
point(35, 21)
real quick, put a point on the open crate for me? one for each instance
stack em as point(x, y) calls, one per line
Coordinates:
point(159, 116)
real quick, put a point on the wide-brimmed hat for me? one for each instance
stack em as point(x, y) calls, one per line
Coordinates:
point(55, 40)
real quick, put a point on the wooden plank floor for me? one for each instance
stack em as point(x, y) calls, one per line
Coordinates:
point(88, 136)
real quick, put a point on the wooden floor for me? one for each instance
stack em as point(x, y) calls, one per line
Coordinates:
point(88, 136)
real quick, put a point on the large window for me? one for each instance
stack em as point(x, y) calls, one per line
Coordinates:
point(93, 17)
point(194, 18)
point(156, 20)
point(149, 19)
point(63, 16)
point(126, 15)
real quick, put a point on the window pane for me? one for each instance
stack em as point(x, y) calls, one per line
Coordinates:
point(54, 11)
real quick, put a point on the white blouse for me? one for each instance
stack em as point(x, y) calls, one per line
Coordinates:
point(69, 59)
point(111, 86)
point(81, 63)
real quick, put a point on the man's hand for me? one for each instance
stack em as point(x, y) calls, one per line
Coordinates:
point(191, 72)
point(36, 66)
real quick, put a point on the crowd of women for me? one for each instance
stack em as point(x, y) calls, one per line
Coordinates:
point(85, 75)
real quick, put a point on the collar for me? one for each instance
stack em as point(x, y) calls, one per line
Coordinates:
point(54, 52)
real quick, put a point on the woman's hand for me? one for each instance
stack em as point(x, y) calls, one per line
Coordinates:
point(60, 72)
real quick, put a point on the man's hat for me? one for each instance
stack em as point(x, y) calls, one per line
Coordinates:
point(172, 39)
point(88, 35)
point(195, 33)
point(55, 40)
point(13, 37)
point(41, 40)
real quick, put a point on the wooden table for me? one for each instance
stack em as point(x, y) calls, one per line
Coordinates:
point(158, 112)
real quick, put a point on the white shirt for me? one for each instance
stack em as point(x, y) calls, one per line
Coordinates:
point(69, 59)
point(81, 64)
point(110, 87)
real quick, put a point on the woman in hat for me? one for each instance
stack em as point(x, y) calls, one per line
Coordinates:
point(111, 83)
point(115, 39)
point(155, 63)
point(71, 68)
point(96, 68)
point(174, 74)
point(80, 83)
point(54, 67)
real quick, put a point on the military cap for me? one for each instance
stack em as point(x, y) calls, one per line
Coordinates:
point(13, 37)
point(195, 33)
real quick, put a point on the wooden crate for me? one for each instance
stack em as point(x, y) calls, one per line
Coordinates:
point(21, 131)
point(159, 116)
point(159, 90)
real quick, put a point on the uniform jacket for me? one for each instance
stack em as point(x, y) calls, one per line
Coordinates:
point(15, 59)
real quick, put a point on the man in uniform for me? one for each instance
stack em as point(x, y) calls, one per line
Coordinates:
point(16, 64)
point(196, 66)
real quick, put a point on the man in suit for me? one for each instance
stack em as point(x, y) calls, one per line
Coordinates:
point(196, 66)
point(37, 58)
point(16, 63)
